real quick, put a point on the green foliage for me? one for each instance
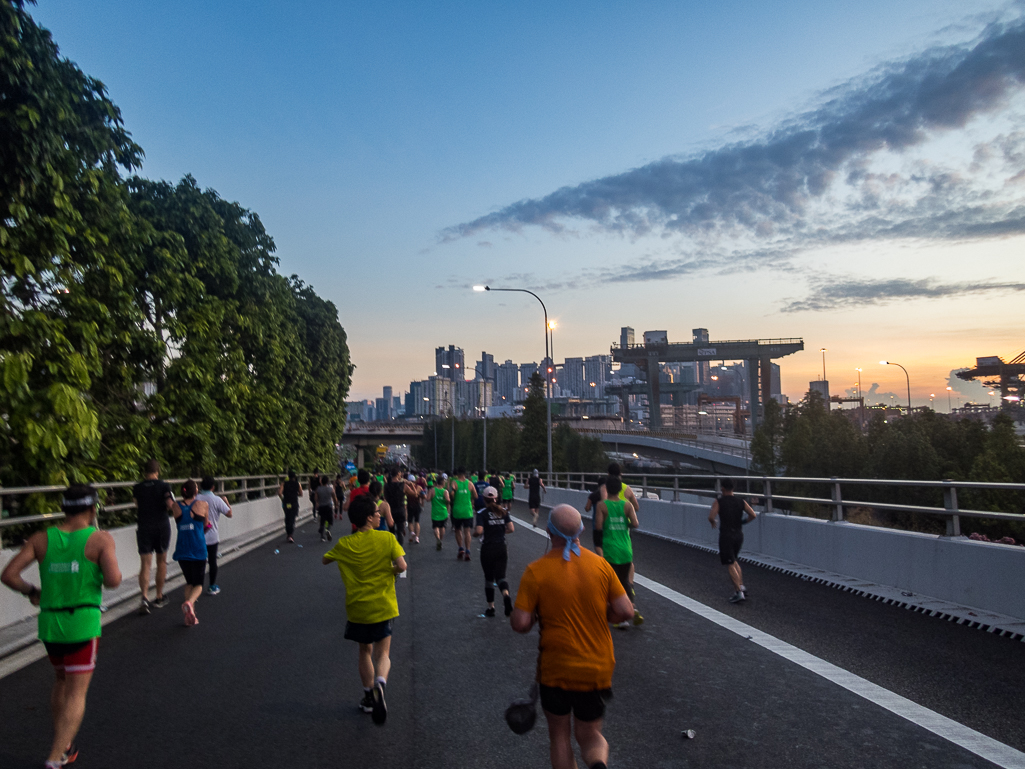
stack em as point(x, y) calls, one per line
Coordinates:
point(767, 442)
point(534, 436)
point(577, 453)
point(140, 318)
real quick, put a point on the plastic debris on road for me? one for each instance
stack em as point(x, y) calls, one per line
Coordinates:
point(276, 552)
point(688, 734)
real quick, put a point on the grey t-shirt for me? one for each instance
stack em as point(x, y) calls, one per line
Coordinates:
point(217, 509)
point(324, 495)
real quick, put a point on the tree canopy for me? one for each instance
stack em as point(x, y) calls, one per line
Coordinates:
point(137, 318)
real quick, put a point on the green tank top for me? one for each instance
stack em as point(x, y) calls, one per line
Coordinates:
point(616, 543)
point(507, 490)
point(72, 589)
point(439, 507)
point(462, 506)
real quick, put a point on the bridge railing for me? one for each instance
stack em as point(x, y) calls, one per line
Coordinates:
point(840, 496)
point(117, 507)
point(684, 439)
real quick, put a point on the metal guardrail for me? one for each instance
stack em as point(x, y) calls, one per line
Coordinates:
point(766, 498)
point(238, 488)
point(684, 439)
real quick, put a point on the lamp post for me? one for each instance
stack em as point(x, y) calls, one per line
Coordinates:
point(484, 410)
point(823, 351)
point(551, 334)
point(434, 429)
point(948, 399)
point(548, 399)
point(908, 378)
point(861, 399)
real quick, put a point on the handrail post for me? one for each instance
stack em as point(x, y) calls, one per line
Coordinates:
point(718, 487)
point(242, 488)
point(676, 488)
point(837, 501)
point(644, 486)
point(950, 502)
point(767, 489)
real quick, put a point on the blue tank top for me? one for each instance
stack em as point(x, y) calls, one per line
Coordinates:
point(191, 544)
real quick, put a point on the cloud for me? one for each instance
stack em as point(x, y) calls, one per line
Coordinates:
point(852, 168)
point(837, 294)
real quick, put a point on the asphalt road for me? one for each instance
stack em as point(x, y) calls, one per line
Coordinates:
point(266, 680)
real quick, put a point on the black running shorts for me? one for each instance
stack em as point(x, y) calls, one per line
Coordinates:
point(729, 547)
point(586, 706)
point(153, 539)
point(462, 523)
point(367, 634)
point(193, 571)
point(414, 513)
point(439, 524)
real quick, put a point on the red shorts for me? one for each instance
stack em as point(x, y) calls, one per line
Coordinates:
point(73, 658)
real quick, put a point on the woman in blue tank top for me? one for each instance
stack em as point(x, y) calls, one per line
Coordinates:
point(190, 515)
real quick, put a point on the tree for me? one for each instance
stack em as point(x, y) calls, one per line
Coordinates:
point(534, 436)
point(767, 441)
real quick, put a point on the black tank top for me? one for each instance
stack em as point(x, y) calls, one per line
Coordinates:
point(395, 496)
point(731, 515)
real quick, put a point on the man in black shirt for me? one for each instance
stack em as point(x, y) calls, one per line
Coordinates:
point(731, 513)
point(290, 491)
point(493, 523)
point(153, 502)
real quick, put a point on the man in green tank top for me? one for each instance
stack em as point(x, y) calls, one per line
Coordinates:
point(76, 561)
point(462, 493)
point(614, 518)
point(507, 491)
point(438, 497)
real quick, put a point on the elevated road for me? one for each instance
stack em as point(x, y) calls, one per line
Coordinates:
point(266, 680)
point(714, 456)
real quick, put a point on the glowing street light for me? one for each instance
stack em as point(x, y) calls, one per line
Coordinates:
point(823, 351)
point(948, 398)
point(891, 363)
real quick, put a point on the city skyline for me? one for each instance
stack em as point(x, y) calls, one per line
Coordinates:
point(849, 175)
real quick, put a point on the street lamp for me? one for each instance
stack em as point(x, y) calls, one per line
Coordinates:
point(823, 351)
point(548, 398)
point(948, 399)
point(908, 378)
point(861, 399)
point(484, 408)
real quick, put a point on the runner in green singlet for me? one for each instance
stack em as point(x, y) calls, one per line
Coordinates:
point(614, 517)
point(76, 561)
point(463, 494)
point(438, 496)
point(507, 491)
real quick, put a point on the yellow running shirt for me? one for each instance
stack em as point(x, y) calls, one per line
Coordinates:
point(365, 562)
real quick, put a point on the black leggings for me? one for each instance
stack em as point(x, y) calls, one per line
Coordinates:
point(211, 559)
point(291, 510)
point(494, 558)
point(400, 525)
point(326, 513)
point(623, 572)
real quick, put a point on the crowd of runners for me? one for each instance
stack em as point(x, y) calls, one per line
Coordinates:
point(573, 595)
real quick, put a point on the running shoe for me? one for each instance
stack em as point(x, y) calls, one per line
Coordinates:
point(70, 754)
point(380, 709)
point(290, 541)
point(416, 540)
point(737, 597)
point(53, 764)
point(489, 612)
point(144, 607)
point(466, 556)
point(508, 605)
point(213, 590)
point(438, 547)
point(367, 703)
point(624, 625)
point(190, 614)
point(459, 555)
point(638, 619)
point(161, 602)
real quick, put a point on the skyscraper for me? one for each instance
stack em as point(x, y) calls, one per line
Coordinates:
point(572, 377)
point(626, 336)
point(597, 371)
point(506, 379)
point(450, 363)
point(485, 368)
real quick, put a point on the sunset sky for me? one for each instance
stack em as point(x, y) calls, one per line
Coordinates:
point(849, 173)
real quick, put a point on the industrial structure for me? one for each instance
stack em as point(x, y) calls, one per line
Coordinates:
point(656, 350)
point(1008, 377)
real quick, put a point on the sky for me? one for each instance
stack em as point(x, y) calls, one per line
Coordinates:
point(849, 173)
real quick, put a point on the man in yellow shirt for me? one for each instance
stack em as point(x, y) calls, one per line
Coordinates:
point(369, 560)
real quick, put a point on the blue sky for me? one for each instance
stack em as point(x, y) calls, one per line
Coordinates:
point(386, 145)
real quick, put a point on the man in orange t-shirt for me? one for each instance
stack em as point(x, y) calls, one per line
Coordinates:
point(574, 595)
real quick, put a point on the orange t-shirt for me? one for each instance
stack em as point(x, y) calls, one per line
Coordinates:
point(570, 598)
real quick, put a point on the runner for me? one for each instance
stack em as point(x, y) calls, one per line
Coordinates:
point(439, 497)
point(590, 507)
point(572, 594)
point(363, 487)
point(369, 561)
point(190, 550)
point(414, 506)
point(340, 487)
point(153, 501)
point(479, 485)
point(76, 561)
point(613, 519)
point(626, 493)
point(325, 502)
point(535, 484)
point(218, 506)
point(387, 523)
point(508, 486)
point(463, 495)
point(290, 491)
point(395, 495)
point(730, 511)
point(493, 523)
point(314, 483)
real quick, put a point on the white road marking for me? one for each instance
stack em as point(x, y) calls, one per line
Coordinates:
point(975, 742)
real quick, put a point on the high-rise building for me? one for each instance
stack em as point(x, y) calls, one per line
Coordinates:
point(626, 336)
point(701, 369)
point(506, 379)
point(451, 363)
point(387, 398)
point(527, 370)
point(572, 377)
point(485, 368)
point(597, 371)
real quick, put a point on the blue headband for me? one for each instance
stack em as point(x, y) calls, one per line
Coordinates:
point(571, 546)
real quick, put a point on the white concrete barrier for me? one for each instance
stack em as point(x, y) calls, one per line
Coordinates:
point(983, 575)
point(250, 520)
